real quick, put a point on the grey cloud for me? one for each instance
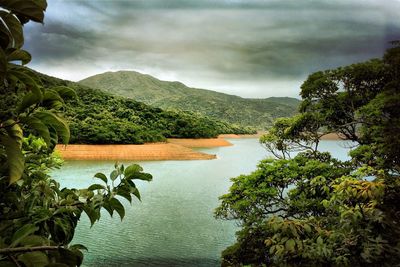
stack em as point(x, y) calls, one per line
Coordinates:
point(213, 42)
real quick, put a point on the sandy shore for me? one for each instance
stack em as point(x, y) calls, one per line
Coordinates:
point(192, 143)
point(174, 149)
point(156, 151)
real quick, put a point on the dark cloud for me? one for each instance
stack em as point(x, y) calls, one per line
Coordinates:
point(224, 45)
point(58, 41)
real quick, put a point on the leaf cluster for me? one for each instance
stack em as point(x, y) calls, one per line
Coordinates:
point(37, 217)
point(304, 208)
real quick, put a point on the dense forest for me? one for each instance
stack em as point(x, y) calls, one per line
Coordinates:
point(37, 217)
point(306, 208)
point(257, 113)
point(97, 117)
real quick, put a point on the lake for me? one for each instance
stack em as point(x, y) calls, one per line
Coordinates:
point(174, 223)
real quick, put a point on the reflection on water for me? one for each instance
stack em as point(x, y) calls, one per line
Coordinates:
point(174, 223)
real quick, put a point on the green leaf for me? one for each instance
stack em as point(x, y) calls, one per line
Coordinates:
point(96, 187)
point(65, 92)
point(34, 259)
point(34, 240)
point(70, 257)
point(33, 97)
point(136, 193)
point(30, 9)
point(52, 99)
point(290, 244)
point(14, 28)
point(15, 159)
point(272, 250)
point(131, 170)
point(79, 256)
point(14, 131)
point(142, 176)
point(78, 246)
point(24, 77)
point(38, 126)
point(56, 122)
point(125, 194)
point(101, 176)
point(307, 228)
point(113, 175)
point(91, 213)
point(108, 207)
point(117, 206)
point(19, 55)
point(23, 232)
point(3, 62)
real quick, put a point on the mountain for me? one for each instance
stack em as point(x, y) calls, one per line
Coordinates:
point(259, 113)
point(102, 118)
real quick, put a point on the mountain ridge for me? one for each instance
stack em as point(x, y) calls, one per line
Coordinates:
point(255, 112)
point(97, 117)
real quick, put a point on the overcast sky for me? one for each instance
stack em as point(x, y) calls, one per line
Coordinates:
point(251, 48)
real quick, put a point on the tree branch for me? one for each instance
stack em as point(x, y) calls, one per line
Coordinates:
point(14, 261)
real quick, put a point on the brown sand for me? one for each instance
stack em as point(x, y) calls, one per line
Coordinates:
point(222, 136)
point(192, 143)
point(154, 151)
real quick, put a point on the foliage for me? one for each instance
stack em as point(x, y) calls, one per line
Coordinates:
point(98, 117)
point(257, 113)
point(305, 208)
point(37, 216)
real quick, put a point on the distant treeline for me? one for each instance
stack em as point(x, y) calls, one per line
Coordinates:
point(257, 113)
point(96, 117)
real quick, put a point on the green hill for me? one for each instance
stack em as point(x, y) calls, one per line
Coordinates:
point(99, 117)
point(258, 113)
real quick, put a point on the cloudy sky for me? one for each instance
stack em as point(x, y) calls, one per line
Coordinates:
point(251, 48)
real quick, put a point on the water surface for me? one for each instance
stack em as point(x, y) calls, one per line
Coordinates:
point(174, 223)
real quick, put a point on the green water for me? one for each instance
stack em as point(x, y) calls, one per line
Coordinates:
point(174, 224)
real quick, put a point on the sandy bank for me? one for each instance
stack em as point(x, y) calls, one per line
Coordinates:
point(192, 143)
point(156, 151)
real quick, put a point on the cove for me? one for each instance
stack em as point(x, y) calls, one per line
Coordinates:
point(174, 223)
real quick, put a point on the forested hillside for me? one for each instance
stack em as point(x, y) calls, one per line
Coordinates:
point(258, 113)
point(99, 117)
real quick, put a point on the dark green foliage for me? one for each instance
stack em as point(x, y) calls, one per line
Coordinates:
point(307, 209)
point(96, 117)
point(37, 216)
point(257, 113)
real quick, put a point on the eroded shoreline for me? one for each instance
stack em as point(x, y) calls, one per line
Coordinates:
point(174, 149)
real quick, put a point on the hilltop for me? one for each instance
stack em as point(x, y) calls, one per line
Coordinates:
point(259, 113)
point(98, 117)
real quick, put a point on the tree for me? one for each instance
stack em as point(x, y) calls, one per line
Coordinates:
point(37, 217)
point(305, 208)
